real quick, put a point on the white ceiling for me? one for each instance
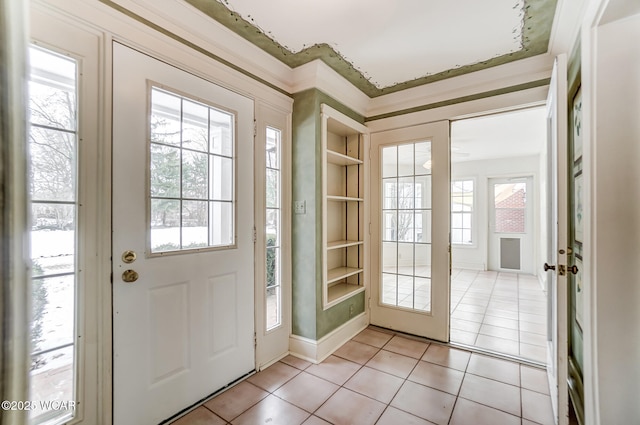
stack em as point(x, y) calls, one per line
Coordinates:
point(511, 134)
point(391, 42)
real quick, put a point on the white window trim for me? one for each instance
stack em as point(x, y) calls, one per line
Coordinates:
point(474, 215)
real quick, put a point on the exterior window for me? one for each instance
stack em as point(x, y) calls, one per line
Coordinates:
point(273, 230)
point(510, 201)
point(462, 212)
point(192, 188)
point(53, 145)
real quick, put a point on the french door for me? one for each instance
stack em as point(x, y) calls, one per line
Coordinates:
point(410, 225)
point(183, 249)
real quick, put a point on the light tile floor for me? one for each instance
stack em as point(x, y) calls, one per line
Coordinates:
point(382, 378)
point(503, 312)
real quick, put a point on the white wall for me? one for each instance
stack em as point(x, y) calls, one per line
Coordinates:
point(476, 256)
point(614, 78)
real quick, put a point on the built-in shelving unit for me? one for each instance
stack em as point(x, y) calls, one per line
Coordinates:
point(344, 143)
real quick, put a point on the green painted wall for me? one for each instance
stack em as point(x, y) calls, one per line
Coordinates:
point(308, 317)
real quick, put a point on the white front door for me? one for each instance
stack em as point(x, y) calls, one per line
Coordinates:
point(511, 224)
point(410, 226)
point(183, 250)
point(557, 355)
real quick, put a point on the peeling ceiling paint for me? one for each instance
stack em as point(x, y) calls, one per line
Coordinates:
point(383, 47)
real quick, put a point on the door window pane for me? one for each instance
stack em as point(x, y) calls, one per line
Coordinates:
point(510, 201)
point(406, 226)
point(192, 198)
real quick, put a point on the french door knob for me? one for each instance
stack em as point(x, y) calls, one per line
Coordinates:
point(547, 267)
point(573, 269)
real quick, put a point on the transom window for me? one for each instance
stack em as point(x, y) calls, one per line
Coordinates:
point(192, 188)
point(462, 212)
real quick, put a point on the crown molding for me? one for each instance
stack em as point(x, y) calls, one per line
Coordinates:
point(189, 23)
point(319, 75)
point(508, 75)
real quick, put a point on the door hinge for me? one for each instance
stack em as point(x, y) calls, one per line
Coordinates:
point(255, 128)
point(369, 303)
point(255, 340)
point(255, 235)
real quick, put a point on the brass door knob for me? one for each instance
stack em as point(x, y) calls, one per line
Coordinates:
point(129, 276)
point(573, 269)
point(129, 257)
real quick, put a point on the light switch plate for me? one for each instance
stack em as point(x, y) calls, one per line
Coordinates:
point(299, 207)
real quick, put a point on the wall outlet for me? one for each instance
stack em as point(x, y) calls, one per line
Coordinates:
point(299, 207)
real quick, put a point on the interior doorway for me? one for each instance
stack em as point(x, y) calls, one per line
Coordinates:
point(511, 224)
point(498, 186)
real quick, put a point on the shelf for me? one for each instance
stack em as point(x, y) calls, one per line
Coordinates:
point(336, 274)
point(340, 291)
point(342, 244)
point(341, 159)
point(343, 199)
point(344, 193)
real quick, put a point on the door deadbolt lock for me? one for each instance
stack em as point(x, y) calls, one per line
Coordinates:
point(129, 257)
point(129, 276)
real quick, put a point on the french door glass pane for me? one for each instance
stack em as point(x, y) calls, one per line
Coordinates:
point(406, 226)
point(53, 163)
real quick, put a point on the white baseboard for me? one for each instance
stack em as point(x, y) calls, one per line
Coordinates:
point(316, 351)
